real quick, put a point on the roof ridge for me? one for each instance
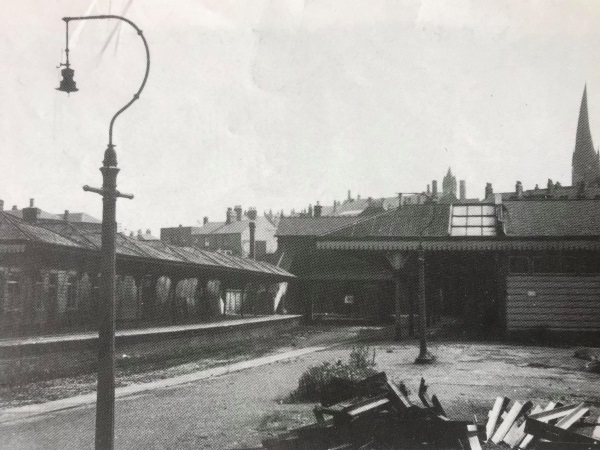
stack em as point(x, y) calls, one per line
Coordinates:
point(11, 218)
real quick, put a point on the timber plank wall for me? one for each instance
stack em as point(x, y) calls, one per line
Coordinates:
point(553, 302)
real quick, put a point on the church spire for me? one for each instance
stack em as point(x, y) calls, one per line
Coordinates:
point(585, 160)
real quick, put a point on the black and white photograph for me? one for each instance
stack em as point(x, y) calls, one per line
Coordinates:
point(300, 225)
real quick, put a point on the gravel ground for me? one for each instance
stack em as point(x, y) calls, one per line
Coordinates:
point(237, 410)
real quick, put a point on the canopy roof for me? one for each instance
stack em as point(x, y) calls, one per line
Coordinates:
point(87, 237)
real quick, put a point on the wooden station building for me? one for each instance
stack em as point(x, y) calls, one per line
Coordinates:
point(49, 277)
point(499, 266)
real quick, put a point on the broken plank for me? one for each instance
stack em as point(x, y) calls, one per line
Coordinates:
point(548, 445)
point(596, 432)
point(438, 406)
point(423, 394)
point(517, 432)
point(493, 415)
point(515, 411)
point(473, 437)
point(529, 437)
point(575, 416)
point(398, 397)
point(555, 413)
point(549, 432)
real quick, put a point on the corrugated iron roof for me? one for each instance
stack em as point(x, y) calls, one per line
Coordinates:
point(86, 237)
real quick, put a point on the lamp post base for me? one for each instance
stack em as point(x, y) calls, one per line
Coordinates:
point(425, 358)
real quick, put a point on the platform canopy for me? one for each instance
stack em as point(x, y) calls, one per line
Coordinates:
point(83, 241)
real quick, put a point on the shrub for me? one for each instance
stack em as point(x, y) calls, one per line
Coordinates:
point(317, 379)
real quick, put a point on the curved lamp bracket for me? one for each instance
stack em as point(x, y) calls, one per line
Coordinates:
point(110, 155)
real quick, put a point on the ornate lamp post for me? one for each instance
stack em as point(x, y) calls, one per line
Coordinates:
point(105, 400)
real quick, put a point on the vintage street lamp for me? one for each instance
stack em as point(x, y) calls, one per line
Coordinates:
point(105, 399)
point(425, 357)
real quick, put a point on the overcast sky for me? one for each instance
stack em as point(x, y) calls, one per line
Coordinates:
point(278, 104)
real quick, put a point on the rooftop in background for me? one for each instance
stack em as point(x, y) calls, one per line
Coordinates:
point(529, 218)
point(79, 217)
point(558, 218)
point(556, 191)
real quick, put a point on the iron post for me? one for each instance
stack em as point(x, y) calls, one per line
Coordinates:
point(105, 395)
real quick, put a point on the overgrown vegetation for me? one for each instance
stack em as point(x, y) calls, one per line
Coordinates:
point(316, 379)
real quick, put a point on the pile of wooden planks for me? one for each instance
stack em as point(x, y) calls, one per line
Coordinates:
point(523, 425)
point(380, 415)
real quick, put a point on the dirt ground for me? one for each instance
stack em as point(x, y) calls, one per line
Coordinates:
point(135, 370)
point(237, 410)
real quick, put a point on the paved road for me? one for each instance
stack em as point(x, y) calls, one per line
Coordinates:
point(236, 410)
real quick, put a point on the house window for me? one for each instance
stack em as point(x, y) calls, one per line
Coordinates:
point(519, 264)
point(473, 220)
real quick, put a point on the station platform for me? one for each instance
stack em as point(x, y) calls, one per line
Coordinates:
point(228, 330)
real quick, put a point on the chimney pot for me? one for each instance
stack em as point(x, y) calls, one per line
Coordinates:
point(205, 220)
point(489, 191)
point(31, 202)
point(252, 213)
point(1, 205)
point(14, 208)
point(463, 190)
point(434, 191)
point(238, 212)
point(318, 210)
point(66, 215)
point(519, 189)
point(148, 231)
point(252, 225)
point(228, 217)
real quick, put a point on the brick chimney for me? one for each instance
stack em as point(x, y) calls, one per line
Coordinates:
point(32, 213)
point(489, 191)
point(252, 213)
point(318, 210)
point(252, 226)
point(228, 218)
point(205, 220)
point(463, 190)
point(238, 212)
point(519, 189)
point(434, 191)
point(66, 215)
